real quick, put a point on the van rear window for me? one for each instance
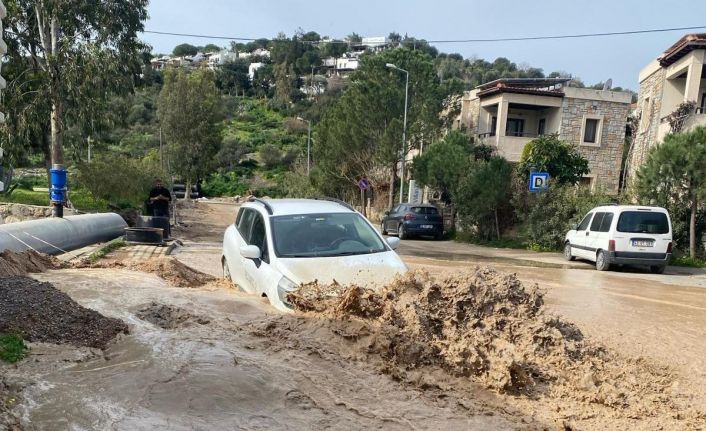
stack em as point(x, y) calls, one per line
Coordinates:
point(643, 222)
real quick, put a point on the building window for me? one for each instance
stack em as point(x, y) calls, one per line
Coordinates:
point(703, 103)
point(586, 182)
point(515, 127)
point(493, 125)
point(542, 125)
point(590, 131)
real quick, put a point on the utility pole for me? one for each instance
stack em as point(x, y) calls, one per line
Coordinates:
point(308, 146)
point(404, 128)
point(90, 144)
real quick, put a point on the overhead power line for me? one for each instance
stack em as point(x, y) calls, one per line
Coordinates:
point(484, 40)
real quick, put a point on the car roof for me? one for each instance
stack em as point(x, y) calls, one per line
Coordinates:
point(616, 208)
point(419, 205)
point(299, 206)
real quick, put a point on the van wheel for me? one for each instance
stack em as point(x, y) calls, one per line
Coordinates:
point(382, 228)
point(657, 269)
point(567, 252)
point(602, 262)
point(401, 234)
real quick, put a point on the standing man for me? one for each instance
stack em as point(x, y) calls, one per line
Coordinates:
point(160, 198)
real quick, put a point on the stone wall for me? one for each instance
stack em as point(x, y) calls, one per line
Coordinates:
point(646, 136)
point(604, 160)
point(470, 110)
point(12, 213)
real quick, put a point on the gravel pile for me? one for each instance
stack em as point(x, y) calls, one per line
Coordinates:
point(43, 313)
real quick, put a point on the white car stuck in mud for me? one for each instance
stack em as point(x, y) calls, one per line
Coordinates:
point(275, 245)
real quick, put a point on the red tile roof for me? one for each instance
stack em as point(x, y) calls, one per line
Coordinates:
point(683, 46)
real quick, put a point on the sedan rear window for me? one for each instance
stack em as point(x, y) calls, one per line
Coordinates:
point(643, 222)
point(425, 210)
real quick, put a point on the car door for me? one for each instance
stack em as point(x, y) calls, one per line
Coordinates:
point(259, 272)
point(237, 236)
point(393, 219)
point(578, 240)
point(598, 235)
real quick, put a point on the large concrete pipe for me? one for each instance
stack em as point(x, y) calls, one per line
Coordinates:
point(58, 235)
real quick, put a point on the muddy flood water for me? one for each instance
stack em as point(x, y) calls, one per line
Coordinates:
point(214, 358)
point(217, 375)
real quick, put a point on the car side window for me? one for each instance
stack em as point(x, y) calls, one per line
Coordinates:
point(245, 223)
point(597, 220)
point(584, 223)
point(607, 221)
point(396, 209)
point(238, 217)
point(258, 235)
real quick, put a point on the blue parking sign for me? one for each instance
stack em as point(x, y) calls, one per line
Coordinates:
point(539, 181)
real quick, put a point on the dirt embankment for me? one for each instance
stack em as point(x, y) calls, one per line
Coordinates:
point(486, 328)
point(14, 263)
point(168, 268)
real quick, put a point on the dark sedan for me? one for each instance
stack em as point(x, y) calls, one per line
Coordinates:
point(407, 220)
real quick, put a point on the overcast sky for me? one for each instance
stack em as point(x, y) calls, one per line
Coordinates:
point(591, 59)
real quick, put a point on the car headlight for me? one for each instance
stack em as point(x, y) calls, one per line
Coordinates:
point(285, 286)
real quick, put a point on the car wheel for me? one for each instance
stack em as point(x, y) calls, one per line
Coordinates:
point(602, 261)
point(439, 236)
point(382, 228)
point(401, 234)
point(658, 269)
point(226, 270)
point(567, 252)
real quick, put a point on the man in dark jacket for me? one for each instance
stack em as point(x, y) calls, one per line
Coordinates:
point(160, 198)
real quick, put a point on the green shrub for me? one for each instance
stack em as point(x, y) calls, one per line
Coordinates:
point(270, 155)
point(693, 262)
point(549, 215)
point(12, 348)
point(223, 185)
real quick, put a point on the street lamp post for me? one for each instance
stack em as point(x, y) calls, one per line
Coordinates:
point(404, 128)
point(308, 145)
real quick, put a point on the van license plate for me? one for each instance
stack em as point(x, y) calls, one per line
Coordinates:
point(642, 243)
point(427, 226)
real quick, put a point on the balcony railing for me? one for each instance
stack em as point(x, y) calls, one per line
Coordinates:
point(512, 134)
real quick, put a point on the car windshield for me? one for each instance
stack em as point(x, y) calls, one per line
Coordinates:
point(643, 222)
point(324, 235)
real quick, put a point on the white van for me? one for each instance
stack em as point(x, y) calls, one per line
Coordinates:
point(622, 235)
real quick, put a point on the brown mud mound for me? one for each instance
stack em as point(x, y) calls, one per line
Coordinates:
point(14, 263)
point(167, 268)
point(169, 316)
point(484, 327)
point(41, 312)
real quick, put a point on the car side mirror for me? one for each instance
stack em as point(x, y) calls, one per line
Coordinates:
point(250, 252)
point(387, 213)
point(575, 226)
point(393, 242)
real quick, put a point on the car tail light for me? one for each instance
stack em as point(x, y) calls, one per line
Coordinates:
point(669, 247)
point(611, 245)
point(409, 217)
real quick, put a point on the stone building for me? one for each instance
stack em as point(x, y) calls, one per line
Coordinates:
point(677, 76)
point(509, 113)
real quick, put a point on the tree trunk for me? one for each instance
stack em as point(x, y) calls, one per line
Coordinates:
point(187, 192)
point(497, 224)
point(391, 197)
point(692, 225)
point(57, 156)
